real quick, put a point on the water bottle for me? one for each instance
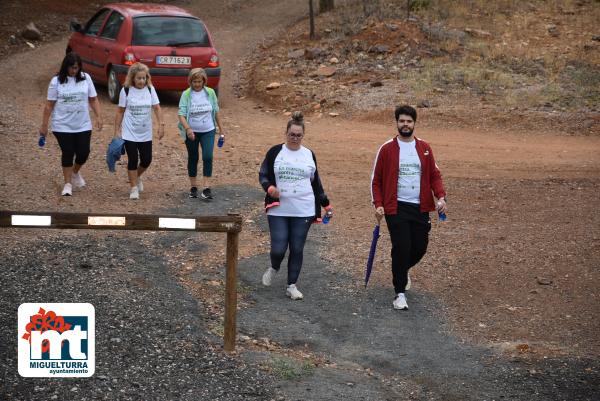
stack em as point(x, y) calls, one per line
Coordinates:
point(221, 141)
point(42, 141)
point(441, 215)
point(327, 217)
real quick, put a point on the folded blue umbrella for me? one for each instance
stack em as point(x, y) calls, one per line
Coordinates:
point(116, 148)
point(371, 254)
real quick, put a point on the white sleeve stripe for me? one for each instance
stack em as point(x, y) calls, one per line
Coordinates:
point(375, 165)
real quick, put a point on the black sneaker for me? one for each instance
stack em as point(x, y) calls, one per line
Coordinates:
point(206, 194)
point(194, 192)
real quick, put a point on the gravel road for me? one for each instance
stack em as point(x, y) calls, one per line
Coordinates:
point(151, 338)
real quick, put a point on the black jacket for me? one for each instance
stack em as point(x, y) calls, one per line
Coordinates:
point(266, 177)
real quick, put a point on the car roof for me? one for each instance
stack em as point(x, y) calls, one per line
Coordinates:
point(137, 9)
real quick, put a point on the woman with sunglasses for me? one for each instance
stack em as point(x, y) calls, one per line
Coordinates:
point(293, 201)
point(71, 93)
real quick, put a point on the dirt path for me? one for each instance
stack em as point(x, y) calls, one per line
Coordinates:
point(373, 353)
point(520, 209)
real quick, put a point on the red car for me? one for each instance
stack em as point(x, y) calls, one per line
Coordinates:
point(168, 39)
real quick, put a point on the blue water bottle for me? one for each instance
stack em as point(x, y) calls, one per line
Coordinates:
point(221, 141)
point(441, 215)
point(42, 141)
point(327, 217)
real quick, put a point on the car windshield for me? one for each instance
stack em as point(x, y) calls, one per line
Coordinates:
point(169, 31)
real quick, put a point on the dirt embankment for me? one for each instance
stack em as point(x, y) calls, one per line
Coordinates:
point(520, 66)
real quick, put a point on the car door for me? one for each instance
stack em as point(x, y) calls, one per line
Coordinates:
point(91, 31)
point(107, 44)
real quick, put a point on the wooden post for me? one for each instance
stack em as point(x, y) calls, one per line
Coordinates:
point(231, 291)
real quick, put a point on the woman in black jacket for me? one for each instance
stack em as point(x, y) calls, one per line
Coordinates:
point(293, 201)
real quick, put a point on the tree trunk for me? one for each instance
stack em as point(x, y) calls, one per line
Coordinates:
point(311, 13)
point(325, 5)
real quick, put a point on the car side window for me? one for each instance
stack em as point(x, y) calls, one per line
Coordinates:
point(93, 26)
point(111, 29)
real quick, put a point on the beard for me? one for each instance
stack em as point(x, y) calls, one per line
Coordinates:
point(406, 132)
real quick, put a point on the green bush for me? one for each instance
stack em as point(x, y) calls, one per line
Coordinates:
point(416, 5)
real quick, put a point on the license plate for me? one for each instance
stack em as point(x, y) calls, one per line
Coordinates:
point(173, 60)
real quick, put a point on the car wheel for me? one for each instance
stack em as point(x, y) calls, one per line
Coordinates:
point(114, 86)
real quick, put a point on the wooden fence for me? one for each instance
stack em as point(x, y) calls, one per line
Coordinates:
point(230, 224)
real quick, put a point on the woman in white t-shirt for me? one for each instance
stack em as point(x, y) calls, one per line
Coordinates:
point(70, 94)
point(293, 201)
point(137, 100)
point(198, 121)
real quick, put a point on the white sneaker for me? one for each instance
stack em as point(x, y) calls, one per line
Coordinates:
point(134, 193)
point(77, 180)
point(140, 185)
point(293, 292)
point(408, 283)
point(400, 302)
point(267, 277)
point(67, 190)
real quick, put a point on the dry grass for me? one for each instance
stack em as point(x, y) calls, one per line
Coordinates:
point(519, 62)
point(536, 55)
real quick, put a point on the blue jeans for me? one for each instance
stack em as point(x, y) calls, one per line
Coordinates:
point(292, 232)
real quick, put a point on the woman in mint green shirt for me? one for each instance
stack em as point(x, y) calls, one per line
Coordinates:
point(198, 121)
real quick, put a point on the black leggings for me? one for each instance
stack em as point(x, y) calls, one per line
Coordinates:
point(74, 145)
point(409, 232)
point(145, 151)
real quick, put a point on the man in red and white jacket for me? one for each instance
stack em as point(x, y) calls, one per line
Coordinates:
point(405, 179)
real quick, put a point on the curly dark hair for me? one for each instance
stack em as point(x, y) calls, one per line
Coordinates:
point(407, 111)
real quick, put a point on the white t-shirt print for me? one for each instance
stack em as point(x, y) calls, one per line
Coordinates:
point(71, 111)
point(294, 170)
point(201, 112)
point(409, 173)
point(137, 120)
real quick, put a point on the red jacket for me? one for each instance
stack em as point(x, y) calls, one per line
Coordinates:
point(384, 181)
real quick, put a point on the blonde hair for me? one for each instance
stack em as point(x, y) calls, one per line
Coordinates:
point(133, 70)
point(297, 119)
point(196, 73)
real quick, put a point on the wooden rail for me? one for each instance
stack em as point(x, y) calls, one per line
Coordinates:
point(231, 224)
